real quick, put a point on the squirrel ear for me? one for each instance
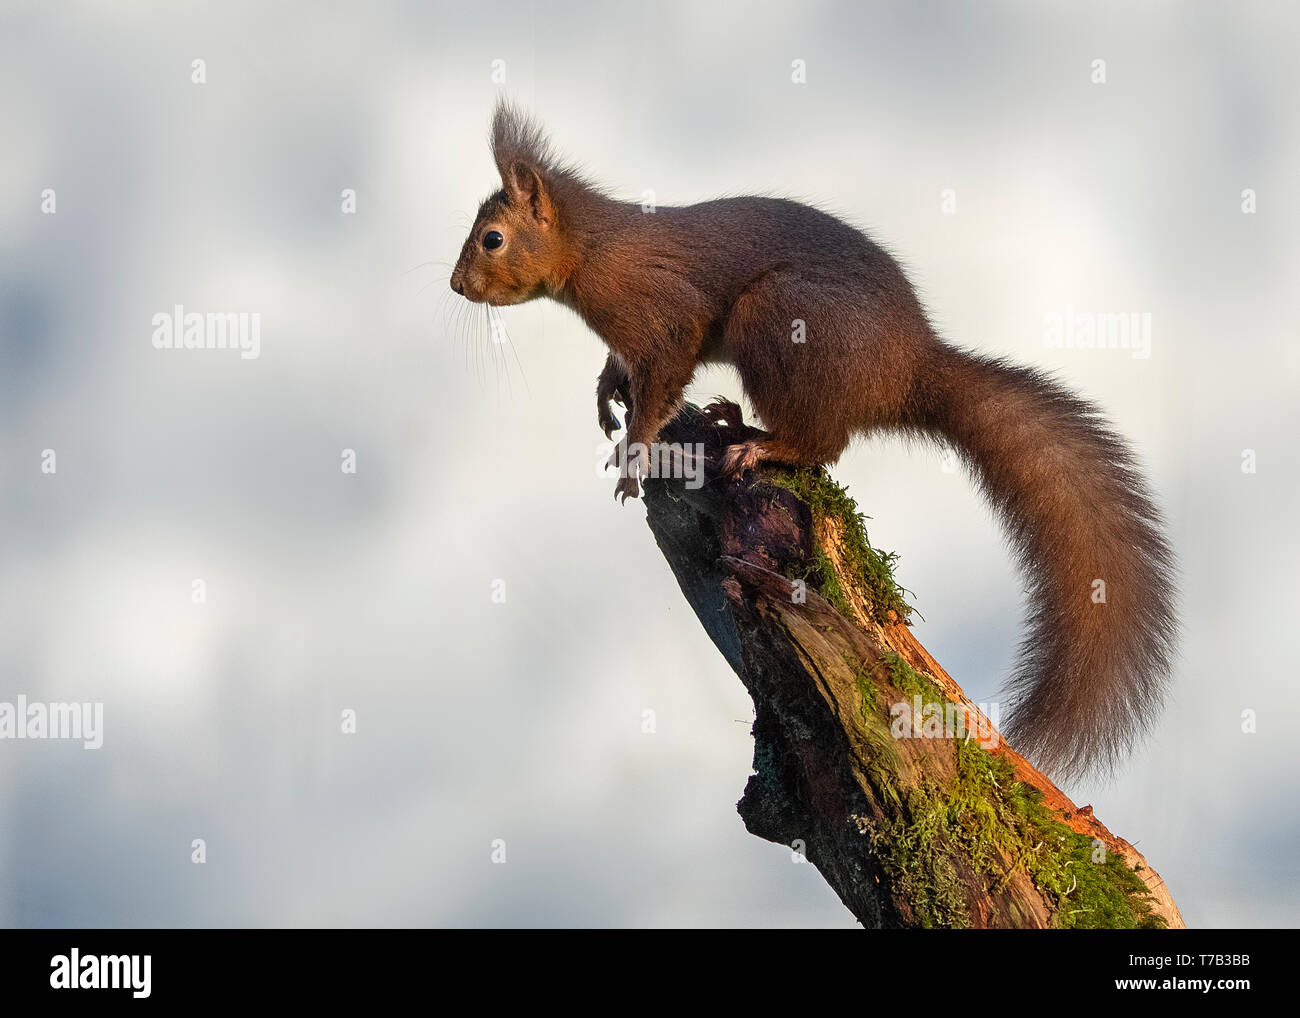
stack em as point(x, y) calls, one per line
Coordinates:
point(525, 188)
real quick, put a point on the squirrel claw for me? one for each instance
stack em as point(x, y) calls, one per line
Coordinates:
point(627, 487)
point(725, 412)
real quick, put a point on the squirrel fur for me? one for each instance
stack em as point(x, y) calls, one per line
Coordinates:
point(724, 282)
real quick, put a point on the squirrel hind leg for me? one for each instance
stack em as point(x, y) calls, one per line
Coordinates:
point(742, 456)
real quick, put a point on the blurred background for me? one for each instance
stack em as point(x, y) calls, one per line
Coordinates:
point(1014, 176)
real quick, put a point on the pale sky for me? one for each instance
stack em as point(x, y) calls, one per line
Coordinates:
point(371, 592)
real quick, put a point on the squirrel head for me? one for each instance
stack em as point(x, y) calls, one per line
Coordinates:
point(516, 249)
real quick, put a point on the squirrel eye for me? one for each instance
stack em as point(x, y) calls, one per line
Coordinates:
point(493, 240)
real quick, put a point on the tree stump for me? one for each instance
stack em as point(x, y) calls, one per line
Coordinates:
point(868, 757)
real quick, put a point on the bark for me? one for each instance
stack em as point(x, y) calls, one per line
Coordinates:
point(911, 831)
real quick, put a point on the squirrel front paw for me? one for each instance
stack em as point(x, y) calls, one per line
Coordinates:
point(611, 387)
point(605, 417)
point(632, 462)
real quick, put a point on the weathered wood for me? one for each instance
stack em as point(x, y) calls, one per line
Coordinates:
point(909, 831)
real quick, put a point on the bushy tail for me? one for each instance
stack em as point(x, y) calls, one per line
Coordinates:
point(1092, 670)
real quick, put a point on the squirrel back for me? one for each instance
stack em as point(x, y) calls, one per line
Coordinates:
point(831, 342)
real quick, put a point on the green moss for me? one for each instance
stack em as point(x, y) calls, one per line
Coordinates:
point(881, 758)
point(830, 587)
point(1085, 893)
point(870, 707)
point(907, 679)
point(875, 569)
point(986, 820)
point(917, 852)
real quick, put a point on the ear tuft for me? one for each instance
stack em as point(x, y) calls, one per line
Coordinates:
point(524, 160)
point(517, 138)
point(516, 135)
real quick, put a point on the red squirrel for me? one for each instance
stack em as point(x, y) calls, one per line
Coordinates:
point(729, 281)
